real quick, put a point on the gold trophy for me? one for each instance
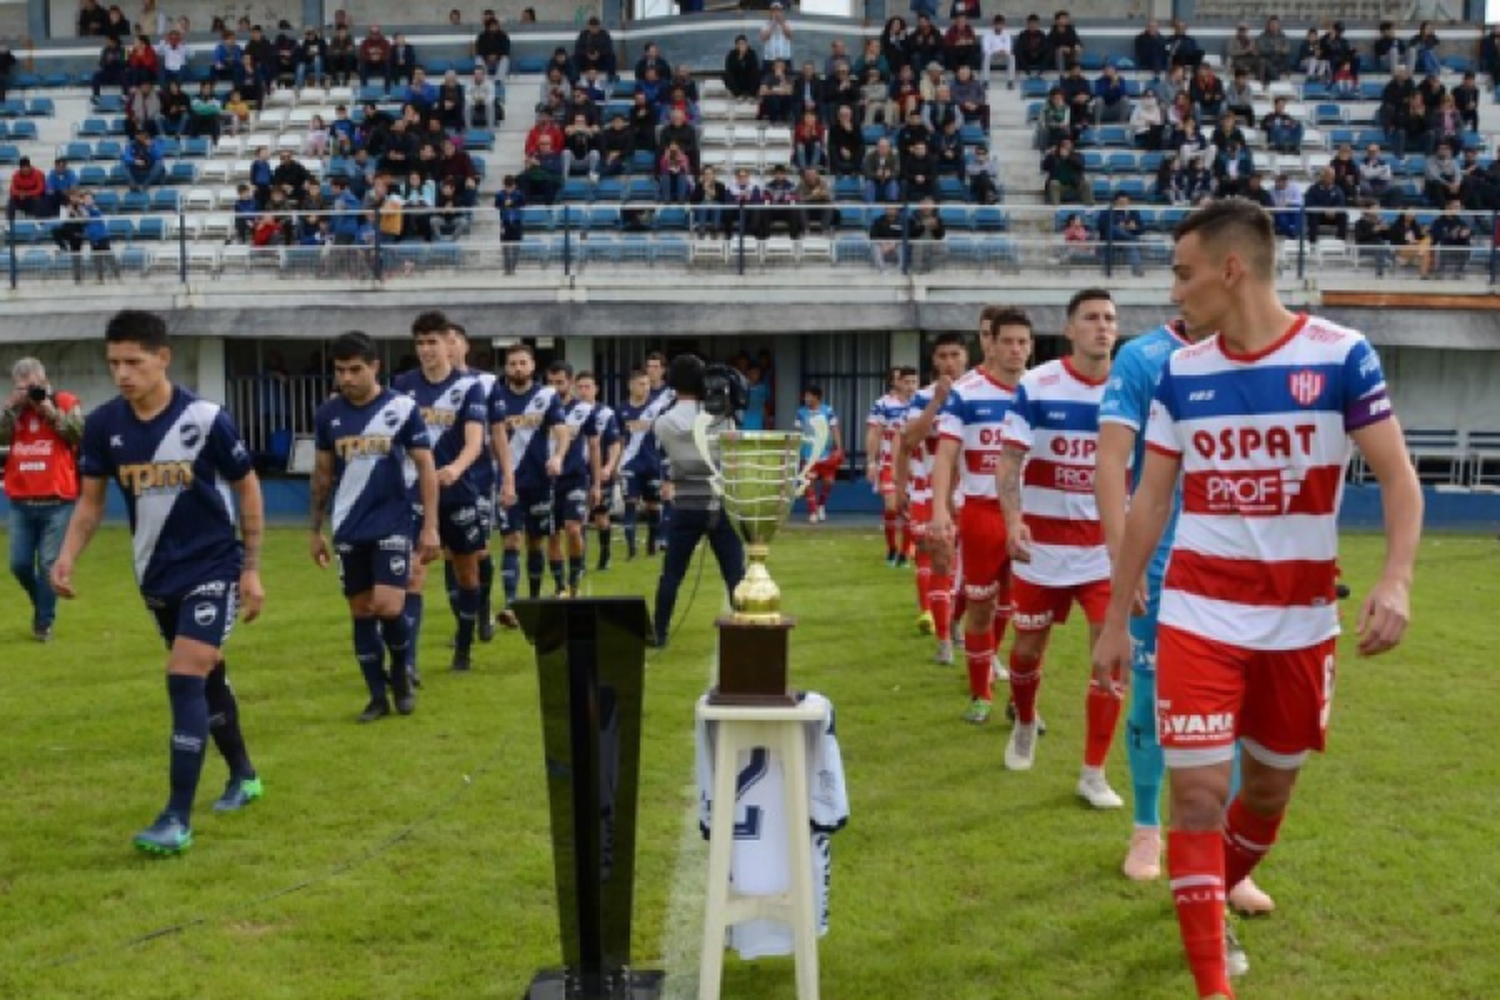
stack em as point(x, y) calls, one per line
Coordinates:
point(757, 476)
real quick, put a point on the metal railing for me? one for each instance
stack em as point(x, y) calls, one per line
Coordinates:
point(573, 239)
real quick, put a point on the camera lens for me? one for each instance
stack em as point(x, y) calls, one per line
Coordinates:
point(37, 393)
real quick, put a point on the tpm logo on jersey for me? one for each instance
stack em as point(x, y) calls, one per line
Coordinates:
point(1306, 386)
point(204, 614)
point(191, 435)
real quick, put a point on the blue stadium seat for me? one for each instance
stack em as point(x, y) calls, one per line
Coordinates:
point(1329, 114)
point(1135, 187)
point(107, 202)
point(1120, 163)
point(638, 189)
point(182, 173)
point(119, 126)
point(671, 218)
point(577, 189)
point(92, 128)
point(152, 228)
point(973, 134)
point(1369, 137)
point(529, 65)
point(1033, 112)
point(1458, 64)
point(599, 249)
point(537, 218)
point(670, 250)
point(873, 134)
point(601, 217)
point(1034, 87)
point(1341, 135)
point(121, 229)
point(1093, 161)
point(956, 218)
point(1370, 90)
point(26, 231)
point(991, 219)
point(134, 260)
point(9, 155)
point(165, 200)
point(41, 107)
point(1133, 88)
point(951, 188)
point(643, 159)
point(609, 189)
point(78, 152)
point(478, 138)
point(196, 147)
point(93, 175)
point(12, 108)
point(1150, 161)
point(851, 248)
point(109, 104)
point(108, 150)
point(847, 189)
point(4, 129)
point(170, 148)
point(1116, 135)
point(856, 217)
point(24, 131)
point(26, 81)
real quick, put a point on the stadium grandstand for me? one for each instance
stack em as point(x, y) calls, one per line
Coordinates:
point(270, 223)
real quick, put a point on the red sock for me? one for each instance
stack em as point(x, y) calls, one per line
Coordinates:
point(1002, 620)
point(1025, 680)
point(940, 602)
point(924, 583)
point(1195, 866)
point(979, 653)
point(1247, 839)
point(1103, 712)
point(889, 520)
point(960, 603)
point(908, 545)
point(812, 500)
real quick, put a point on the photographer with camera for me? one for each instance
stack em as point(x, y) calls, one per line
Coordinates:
point(43, 428)
point(719, 393)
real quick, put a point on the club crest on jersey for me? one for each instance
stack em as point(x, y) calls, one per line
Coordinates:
point(1306, 386)
point(454, 395)
point(392, 418)
point(204, 615)
point(191, 435)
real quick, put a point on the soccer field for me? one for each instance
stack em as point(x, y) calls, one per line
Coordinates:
point(411, 858)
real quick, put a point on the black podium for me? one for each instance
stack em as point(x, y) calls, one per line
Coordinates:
point(591, 658)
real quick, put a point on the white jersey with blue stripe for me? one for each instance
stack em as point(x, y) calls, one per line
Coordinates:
point(175, 472)
point(530, 414)
point(447, 408)
point(578, 416)
point(370, 444)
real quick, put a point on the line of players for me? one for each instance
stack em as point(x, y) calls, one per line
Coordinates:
point(550, 454)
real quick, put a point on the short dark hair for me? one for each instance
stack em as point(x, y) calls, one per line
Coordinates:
point(949, 337)
point(636, 373)
point(813, 389)
point(998, 316)
point(656, 356)
point(351, 345)
point(431, 321)
point(519, 348)
point(1241, 221)
point(560, 366)
point(459, 329)
point(686, 375)
point(906, 371)
point(137, 326)
point(1088, 295)
point(585, 374)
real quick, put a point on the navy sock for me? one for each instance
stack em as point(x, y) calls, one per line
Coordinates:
point(629, 523)
point(450, 580)
point(556, 566)
point(412, 612)
point(486, 582)
point(575, 570)
point(653, 530)
point(396, 633)
point(468, 611)
point(370, 652)
point(224, 723)
point(510, 574)
point(604, 534)
point(535, 564)
point(189, 736)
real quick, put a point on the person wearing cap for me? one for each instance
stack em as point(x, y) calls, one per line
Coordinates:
point(776, 34)
point(996, 43)
point(1063, 41)
point(742, 71)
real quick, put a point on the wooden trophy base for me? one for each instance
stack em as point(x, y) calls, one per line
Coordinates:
point(753, 663)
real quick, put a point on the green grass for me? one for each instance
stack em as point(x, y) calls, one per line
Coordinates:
point(411, 858)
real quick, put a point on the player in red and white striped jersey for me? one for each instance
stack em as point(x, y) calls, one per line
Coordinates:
point(1257, 420)
point(970, 440)
point(916, 451)
point(1046, 487)
point(882, 432)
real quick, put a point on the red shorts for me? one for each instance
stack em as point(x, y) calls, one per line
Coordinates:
point(827, 468)
point(887, 481)
point(1038, 608)
point(918, 515)
point(1276, 702)
point(986, 562)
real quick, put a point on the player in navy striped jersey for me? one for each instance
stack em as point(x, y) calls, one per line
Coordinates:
point(365, 435)
point(608, 427)
point(490, 470)
point(182, 468)
point(576, 489)
point(537, 439)
point(455, 410)
point(640, 462)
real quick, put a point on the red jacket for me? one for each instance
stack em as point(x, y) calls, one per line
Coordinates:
point(42, 465)
point(548, 128)
point(27, 182)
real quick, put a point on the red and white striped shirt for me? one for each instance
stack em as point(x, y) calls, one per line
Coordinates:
point(973, 415)
point(1263, 441)
point(1055, 419)
point(889, 414)
point(919, 461)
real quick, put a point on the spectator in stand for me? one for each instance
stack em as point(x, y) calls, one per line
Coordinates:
point(1395, 100)
point(1466, 101)
point(1274, 49)
point(342, 57)
point(742, 73)
point(1233, 166)
point(564, 64)
point(483, 104)
point(616, 147)
point(994, 44)
point(542, 178)
point(1168, 86)
point(841, 90)
point(682, 132)
point(175, 110)
point(969, 8)
point(1183, 49)
point(1346, 172)
point(708, 199)
point(925, 233)
point(1325, 207)
point(1110, 103)
point(745, 195)
point(875, 99)
point(1389, 51)
point(1178, 116)
point(1373, 237)
point(1063, 42)
point(776, 35)
point(1078, 242)
point(941, 109)
point(287, 50)
point(1240, 53)
point(1227, 129)
point(948, 148)
point(111, 71)
point(401, 64)
point(116, 26)
point(492, 47)
point(1412, 243)
point(246, 80)
point(581, 148)
point(141, 64)
point(816, 197)
point(808, 141)
point(924, 45)
point(886, 235)
point(838, 52)
point(882, 173)
point(983, 176)
point(1207, 92)
point(1422, 52)
point(142, 159)
point(1066, 180)
point(374, 56)
point(1287, 196)
point(172, 56)
point(1444, 178)
point(642, 119)
point(547, 127)
point(1283, 132)
point(780, 195)
point(933, 77)
point(918, 172)
point(1054, 122)
point(91, 19)
point(1031, 48)
point(260, 176)
point(968, 92)
point(1409, 126)
point(312, 60)
point(893, 38)
point(906, 97)
point(807, 92)
point(1376, 183)
point(775, 95)
point(1432, 92)
point(961, 44)
point(1338, 52)
point(846, 144)
point(1239, 98)
point(1479, 190)
point(915, 130)
point(1120, 225)
point(1192, 180)
point(1147, 121)
point(1151, 50)
point(1489, 55)
point(1310, 59)
point(62, 180)
point(675, 174)
point(143, 109)
point(1255, 192)
point(456, 165)
point(346, 211)
point(1079, 95)
point(1451, 237)
point(28, 190)
point(1445, 125)
point(509, 202)
point(594, 47)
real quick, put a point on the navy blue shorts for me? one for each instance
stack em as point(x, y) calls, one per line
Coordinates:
point(485, 504)
point(366, 565)
point(531, 513)
point(204, 614)
point(606, 498)
point(570, 501)
point(642, 486)
point(460, 530)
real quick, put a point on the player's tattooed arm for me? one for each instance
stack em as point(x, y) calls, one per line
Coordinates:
point(322, 485)
point(252, 520)
point(1008, 482)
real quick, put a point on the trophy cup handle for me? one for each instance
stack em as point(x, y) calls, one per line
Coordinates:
point(818, 424)
point(701, 423)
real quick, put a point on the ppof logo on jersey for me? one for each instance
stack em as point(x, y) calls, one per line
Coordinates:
point(1306, 386)
point(204, 614)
